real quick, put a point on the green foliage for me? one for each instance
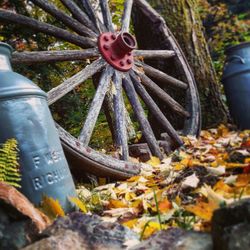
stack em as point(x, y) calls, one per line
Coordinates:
point(116, 7)
point(9, 167)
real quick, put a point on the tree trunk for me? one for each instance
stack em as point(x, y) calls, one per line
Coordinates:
point(183, 20)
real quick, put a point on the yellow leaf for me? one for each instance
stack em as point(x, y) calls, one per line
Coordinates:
point(235, 165)
point(130, 224)
point(51, 207)
point(136, 204)
point(137, 178)
point(222, 130)
point(79, 204)
point(150, 229)
point(129, 196)
point(247, 160)
point(178, 200)
point(116, 204)
point(154, 161)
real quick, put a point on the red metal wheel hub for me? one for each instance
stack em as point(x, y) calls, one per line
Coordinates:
point(117, 49)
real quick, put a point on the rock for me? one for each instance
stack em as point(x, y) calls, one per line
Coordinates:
point(176, 239)
point(20, 221)
point(89, 231)
point(14, 229)
point(231, 226)
point(63, 240)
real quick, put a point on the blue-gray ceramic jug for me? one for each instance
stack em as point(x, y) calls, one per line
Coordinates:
point(236, 81)
point(25, 116)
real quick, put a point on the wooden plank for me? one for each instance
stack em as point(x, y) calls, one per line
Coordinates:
point(70, 22)
point(107, 19)
point(155, 110)
point(161, 76)
point(161, 94)
point(53, 56)
point(126, 15)
point(79, 14)
point(27, 22)
point(68, 85)
point(119, 114)
point(95, 106)
point(141, 118)
point(154, 54)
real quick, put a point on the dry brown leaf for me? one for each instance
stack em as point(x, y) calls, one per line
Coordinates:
point(13, 197)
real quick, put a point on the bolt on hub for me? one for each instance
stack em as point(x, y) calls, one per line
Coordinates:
point(117, 49)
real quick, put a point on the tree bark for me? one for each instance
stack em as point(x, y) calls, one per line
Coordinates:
point(183, 20)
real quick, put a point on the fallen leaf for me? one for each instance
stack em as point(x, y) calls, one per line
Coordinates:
point(242, 180)
point(117, 204)
point(164, 206)
point(79, 204)
point(217, 170)
point(52, 207)
point(154, 161)
point(190, 181)
point(204, 210)
point(13, 197)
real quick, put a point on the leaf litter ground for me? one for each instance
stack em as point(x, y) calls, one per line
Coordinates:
point(182, 190)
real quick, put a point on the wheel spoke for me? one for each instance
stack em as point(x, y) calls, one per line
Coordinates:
point(67, 20)
point(64, 88)
point(107, 19)
point(148, 100)
point(126, 15)
point(119, 112)
point(167, 99)
point(154, 54)
point(107, 105)
point(140, 115)
point(79, 14)
point(96, 105)
point(92, 16)
point(53, 56)
point(10, 17)
point(161, 76)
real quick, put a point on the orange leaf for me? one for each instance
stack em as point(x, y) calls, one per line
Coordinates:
point(222, 187)
point(242, 180)
point(246, 144)
point(116, 204)
point(164, 206)
point(51, 207)
point(203, 210)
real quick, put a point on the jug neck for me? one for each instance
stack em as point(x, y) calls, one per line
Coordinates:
point(5, 55)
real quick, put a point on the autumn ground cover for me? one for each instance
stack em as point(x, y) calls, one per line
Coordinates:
point(182, 190)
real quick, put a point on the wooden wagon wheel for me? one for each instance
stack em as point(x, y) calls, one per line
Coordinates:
point(114, 57)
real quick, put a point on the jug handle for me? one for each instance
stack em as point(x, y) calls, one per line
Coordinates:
point(235, 58)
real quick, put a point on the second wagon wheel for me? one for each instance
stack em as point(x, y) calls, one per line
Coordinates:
point(148, 66)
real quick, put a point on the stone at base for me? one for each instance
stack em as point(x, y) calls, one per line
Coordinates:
point(231, 226)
